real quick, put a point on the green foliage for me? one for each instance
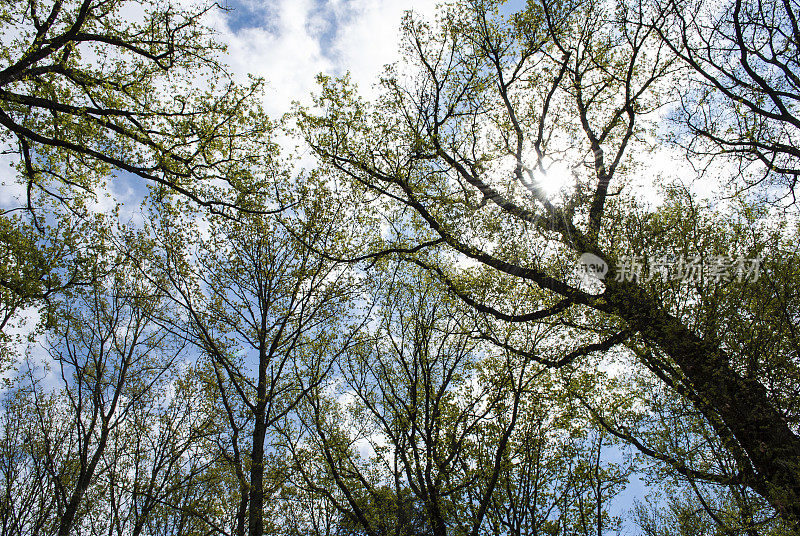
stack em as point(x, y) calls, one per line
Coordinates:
point(397, 342)
point(90, 90)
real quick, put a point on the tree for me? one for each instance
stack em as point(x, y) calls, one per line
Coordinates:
point(110, 356)
point(154, 474)
point(270, 316)
point(754, 320)
point(89, 89)
point(93, 92)
point(426, 429)
point(159, 466)
point(28, 503)
point(461, 154)
point(740, 96)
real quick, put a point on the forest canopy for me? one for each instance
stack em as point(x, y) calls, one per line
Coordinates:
point(542, 279)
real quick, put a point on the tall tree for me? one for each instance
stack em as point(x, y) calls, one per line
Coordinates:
point(270, 316)
point(109, 355)
point(160, 464)
point(29, 427)
point(463, 153)
point(426, 429)
point(754, 320)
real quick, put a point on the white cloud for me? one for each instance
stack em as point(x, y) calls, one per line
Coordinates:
point(284, 54)
point(371, 38)
point(299, 39)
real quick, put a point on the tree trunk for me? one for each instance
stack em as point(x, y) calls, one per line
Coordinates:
point(71, 509)
point(241, 514)
point(743, 404)
point(256, 519)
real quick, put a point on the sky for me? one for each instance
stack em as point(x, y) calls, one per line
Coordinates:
point(289, 42)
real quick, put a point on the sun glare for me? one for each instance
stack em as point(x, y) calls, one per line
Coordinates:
point(556, 176)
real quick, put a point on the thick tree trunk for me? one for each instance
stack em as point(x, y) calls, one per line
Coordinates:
point(256, 519)
point(742, 404)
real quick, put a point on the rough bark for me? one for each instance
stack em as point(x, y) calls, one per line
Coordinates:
point(742, 404)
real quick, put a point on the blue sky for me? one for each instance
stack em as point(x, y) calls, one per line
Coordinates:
point(289, 42)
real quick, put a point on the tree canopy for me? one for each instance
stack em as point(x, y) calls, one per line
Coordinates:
point(90, 90)
point(479, 311)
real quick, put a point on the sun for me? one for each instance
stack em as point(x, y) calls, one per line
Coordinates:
point(553, 177)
